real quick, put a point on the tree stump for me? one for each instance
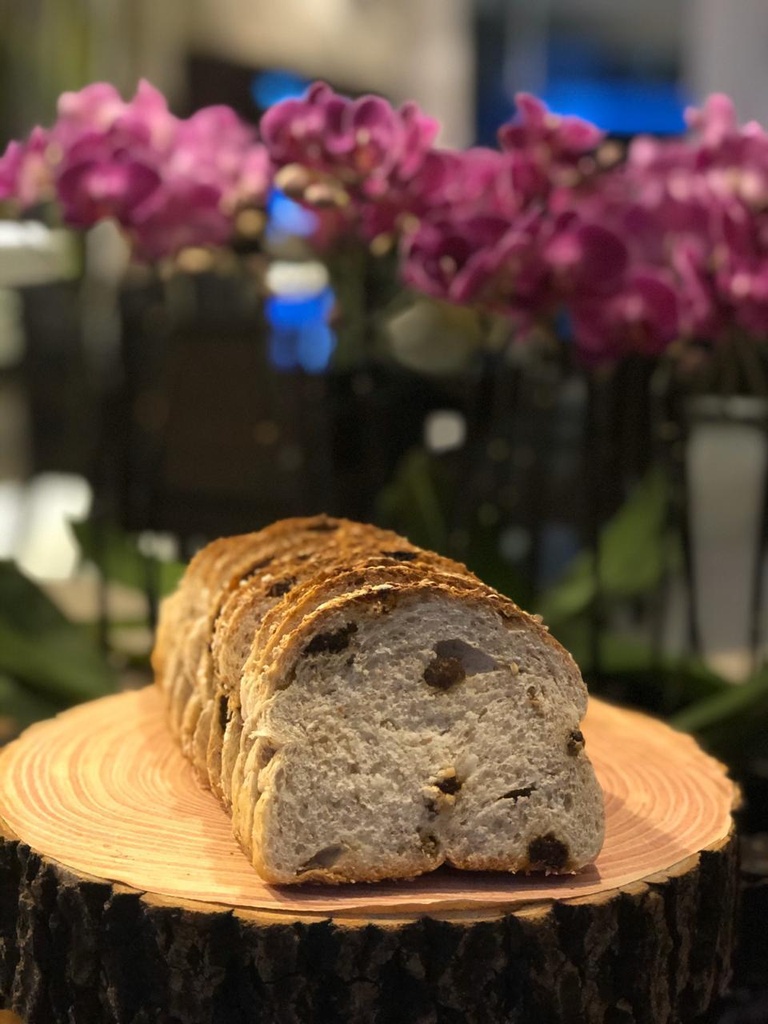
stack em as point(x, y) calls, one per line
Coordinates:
point(124, 898)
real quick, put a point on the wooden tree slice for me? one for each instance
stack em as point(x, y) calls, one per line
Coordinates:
point(124, 898)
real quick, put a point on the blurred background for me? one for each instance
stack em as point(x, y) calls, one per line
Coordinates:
point(84, 399)
point(138, 419)
point(103, 421)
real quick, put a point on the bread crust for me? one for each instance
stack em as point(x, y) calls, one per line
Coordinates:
point(185, 671)
point(231, 637)
point(182, 669)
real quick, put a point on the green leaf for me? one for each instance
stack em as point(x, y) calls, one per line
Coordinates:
point(633, 551)
point(732, 725)
point(24, 606)
point(413, 502)
point(572, 594)
point(632, 544)
point(734, 701)
point(63, 664)
point(632, 672)
point(22, 706)
point(41, 648)
point(117, 557)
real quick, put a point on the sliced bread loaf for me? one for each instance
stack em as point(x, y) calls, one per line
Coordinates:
point(383, 714)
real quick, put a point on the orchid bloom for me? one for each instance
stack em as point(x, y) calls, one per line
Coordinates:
point(168, 182)
point(670, 243)
point(25, 173)
point(333, 150)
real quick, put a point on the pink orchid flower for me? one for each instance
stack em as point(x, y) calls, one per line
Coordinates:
point(553, 137)
point(25, 172)
point(167, 181)
point(366, 144)
point(641, 317)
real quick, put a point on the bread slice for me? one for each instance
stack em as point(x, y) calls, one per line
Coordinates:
point(226, 591)
point(281, 622)
point(183, 670)
point(384, 715)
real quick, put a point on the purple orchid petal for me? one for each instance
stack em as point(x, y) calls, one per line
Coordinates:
point(436, 252)
point(419, 134)
point(26, 175)
point(148, 113)
point(715, 121)
point(586, 258)
point(642, 317)
point(372, 150)
point(96, 106)
point(579, 136)
point(177, 216)
point(10, 167)
point(254, 177)
point(319, 93)
point(562, 137)
point(91, 191)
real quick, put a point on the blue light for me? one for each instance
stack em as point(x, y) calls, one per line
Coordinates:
point(288, 218)
point(273, 86)
point(299, 333)
point(315, 346)
point(295, 310)
point(619, 106)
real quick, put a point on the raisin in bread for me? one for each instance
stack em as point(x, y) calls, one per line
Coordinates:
point(368, 710)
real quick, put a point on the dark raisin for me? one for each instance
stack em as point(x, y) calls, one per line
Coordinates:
point(280, 587)
point(331, 643)
point(449, 785)
point(575, 742)
point(223, 712)
point(443, 673)
point(402, 556)
point(323, 526)
point(547, 853)
point(324, 858)
point(516, 794)
point(472, 658)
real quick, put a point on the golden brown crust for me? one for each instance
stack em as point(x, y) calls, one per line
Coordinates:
point(255, 607)
point(274, 670)
point(244, 613)
point(191, 613)
point(337, 582)
point(350, 571)
point(241, 578)
point(291, 566)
